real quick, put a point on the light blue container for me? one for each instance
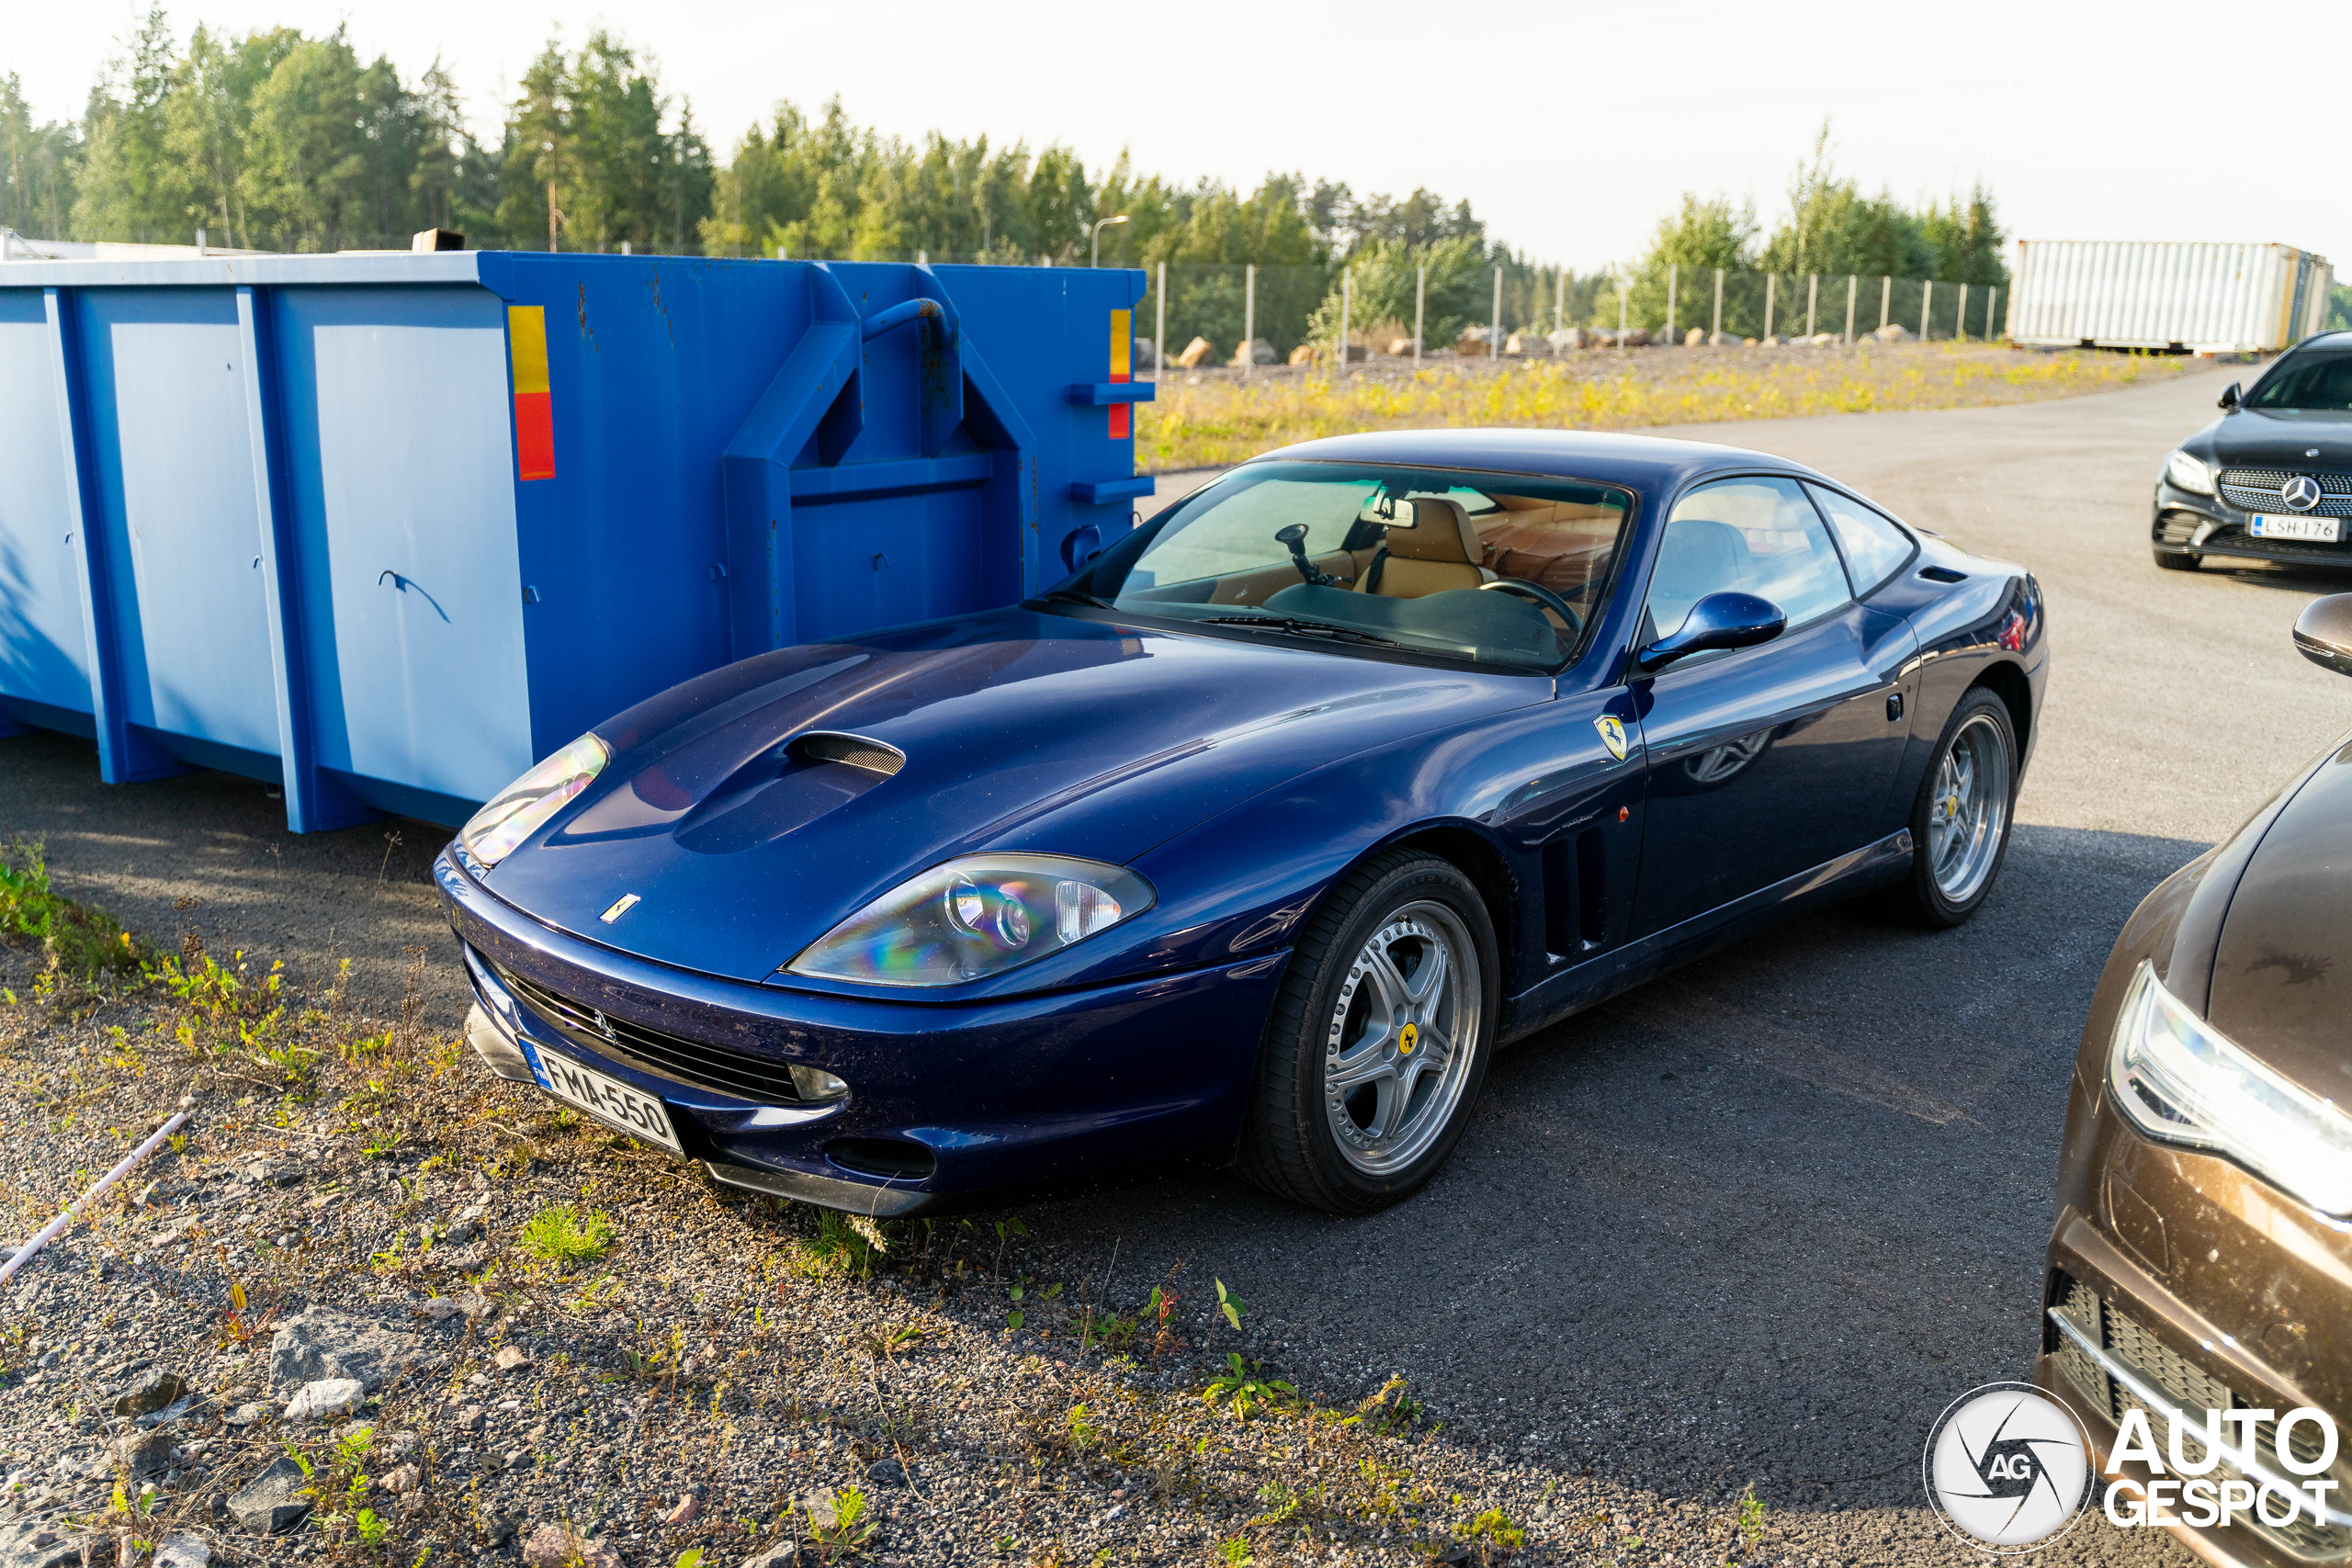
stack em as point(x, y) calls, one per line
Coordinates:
point(293, 517)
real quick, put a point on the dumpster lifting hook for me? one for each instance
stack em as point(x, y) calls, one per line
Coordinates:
point(941, 325)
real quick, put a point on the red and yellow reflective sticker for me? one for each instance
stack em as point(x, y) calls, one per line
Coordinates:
point(1123, 415)
point(527, 347)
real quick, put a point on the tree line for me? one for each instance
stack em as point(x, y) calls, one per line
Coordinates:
point(274, 140)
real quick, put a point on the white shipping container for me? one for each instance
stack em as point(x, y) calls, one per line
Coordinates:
point(2209, 298)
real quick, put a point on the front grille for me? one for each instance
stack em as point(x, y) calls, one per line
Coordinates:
point(2193, 1389)
point(2259, 490)
point(689, 1062)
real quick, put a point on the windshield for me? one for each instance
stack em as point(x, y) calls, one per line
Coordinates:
point(2309, 381)
point(1497, 569)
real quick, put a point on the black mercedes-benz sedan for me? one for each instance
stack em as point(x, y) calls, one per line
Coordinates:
point(2271, 480)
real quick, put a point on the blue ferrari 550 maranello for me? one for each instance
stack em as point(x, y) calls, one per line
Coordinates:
point(1259, 834)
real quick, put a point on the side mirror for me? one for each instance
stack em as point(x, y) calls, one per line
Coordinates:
point(2323, 632)
point(2229, 397)
point(1720, 620)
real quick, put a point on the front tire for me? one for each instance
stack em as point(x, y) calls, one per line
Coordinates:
point(2179, 560)
point(1960, 821)
point(1379, 1039)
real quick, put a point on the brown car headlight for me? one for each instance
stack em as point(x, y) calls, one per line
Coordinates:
point(2182, 1081)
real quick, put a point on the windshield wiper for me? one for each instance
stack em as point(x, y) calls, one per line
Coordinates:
point(1297, 627)
point(1071, 596)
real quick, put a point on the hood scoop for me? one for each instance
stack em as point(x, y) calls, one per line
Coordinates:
point(784, 788)
point(850, 750)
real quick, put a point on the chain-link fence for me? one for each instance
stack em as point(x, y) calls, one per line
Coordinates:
point(1202, 315)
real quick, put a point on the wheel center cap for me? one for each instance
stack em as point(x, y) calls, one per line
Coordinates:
point(1407, 1038)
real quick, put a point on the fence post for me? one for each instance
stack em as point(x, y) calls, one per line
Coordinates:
point(1959, 317)
point(1621, 292)
point(1771, 282)
point(1927, 298)
point(1347, 299)
point(1989, 294)
point(1812, 298)
point(1885, 302)
point(1250, 320)
point(1718, 331)
point(1853, 286)
point(1670, 301)
point(1559, 295)
point(1494, 326)
point(1159, 329)
point(1420, 293)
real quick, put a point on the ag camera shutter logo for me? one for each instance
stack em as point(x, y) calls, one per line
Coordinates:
point(2007, 1468)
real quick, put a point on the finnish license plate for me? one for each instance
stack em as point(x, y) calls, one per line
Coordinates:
point(2318, 530)
point(609, 1100)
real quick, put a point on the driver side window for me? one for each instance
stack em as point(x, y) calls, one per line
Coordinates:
point(1746, 535)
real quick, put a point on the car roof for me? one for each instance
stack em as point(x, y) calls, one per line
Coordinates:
point(1605, 457)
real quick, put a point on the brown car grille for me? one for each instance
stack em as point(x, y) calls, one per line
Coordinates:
point(2191, 1388)
point(2258, 490)
point(688, 1062)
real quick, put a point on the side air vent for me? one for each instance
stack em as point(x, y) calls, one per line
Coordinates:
point(852, 750)
point(1942, 574)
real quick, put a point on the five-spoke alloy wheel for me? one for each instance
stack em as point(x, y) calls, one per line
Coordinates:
point(1959, 822)
point(1379, 1039)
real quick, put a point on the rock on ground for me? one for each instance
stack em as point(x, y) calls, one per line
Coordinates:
point(554, 1546)
point(321, 1343)
point(150, 1391)
point(327, 1397)
point(183, 1551)
point(270, 1502)
point(35, 1543)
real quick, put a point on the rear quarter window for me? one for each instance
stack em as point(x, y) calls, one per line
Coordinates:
point(1875, 546)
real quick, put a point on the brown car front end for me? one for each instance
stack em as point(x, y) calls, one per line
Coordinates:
point(2179, 1278)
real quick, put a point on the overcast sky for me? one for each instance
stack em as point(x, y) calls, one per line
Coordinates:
point(1570, 127)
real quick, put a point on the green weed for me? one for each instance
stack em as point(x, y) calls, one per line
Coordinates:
point(73, 936)
point(560, 1235)
point(838, 1527)
point(1246, 1392)
point(1751, 1519)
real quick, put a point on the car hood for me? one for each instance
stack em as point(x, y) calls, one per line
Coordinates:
point(2282, 438)
point(1019, 730)
point(2282, 969)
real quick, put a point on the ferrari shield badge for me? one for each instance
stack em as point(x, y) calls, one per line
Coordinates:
point(1613, 735)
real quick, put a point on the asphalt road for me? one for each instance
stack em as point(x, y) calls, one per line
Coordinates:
point(1757, 1221)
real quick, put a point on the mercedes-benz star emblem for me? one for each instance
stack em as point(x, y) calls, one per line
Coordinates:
point(2301, 492)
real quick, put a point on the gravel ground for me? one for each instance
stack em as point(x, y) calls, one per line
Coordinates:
point(1738, 1233)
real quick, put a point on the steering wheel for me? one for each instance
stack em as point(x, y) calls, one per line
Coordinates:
point(1537, 593)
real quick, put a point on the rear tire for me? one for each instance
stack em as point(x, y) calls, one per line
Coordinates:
point(2179, 560)
point(1379, 1038)
point(1960, 817)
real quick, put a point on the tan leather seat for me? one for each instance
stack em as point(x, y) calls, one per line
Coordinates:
point(1438, 552)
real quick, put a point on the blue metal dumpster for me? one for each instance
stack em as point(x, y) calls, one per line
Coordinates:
point(387, 528)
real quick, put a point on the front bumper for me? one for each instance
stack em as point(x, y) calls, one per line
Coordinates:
point(2187, 524)
point(2172, 1285)
point(946, 1102)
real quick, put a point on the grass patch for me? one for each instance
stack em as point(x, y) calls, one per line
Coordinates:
point(73, 936)
point(1225, 419)
point(561, 1235)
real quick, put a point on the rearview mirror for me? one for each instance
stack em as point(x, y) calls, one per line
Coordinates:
point(2323, 632)
point(1720, 620)
point(2229, 397)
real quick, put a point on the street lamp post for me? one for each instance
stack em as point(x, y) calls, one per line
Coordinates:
point(1096, 238)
